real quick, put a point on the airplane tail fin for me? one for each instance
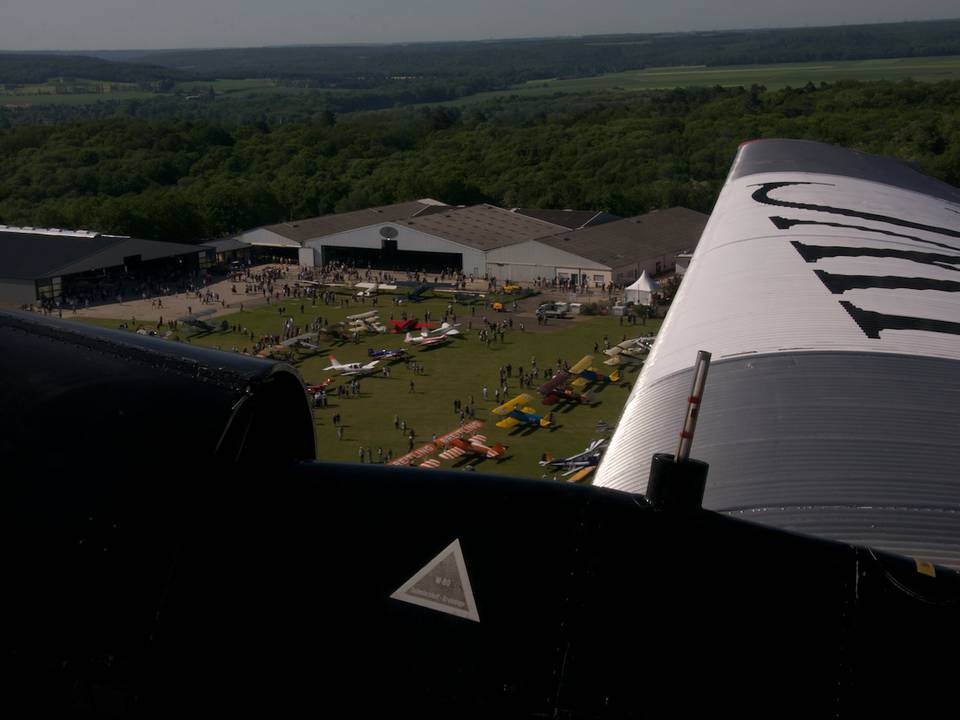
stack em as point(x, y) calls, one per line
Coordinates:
point(615, 376)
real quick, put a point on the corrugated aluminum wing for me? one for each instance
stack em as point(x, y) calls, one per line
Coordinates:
point(830, 304)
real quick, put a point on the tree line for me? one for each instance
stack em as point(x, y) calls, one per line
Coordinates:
point(628, 153)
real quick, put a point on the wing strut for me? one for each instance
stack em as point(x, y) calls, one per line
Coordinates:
point(677, 483)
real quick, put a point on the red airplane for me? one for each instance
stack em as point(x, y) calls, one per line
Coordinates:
point(317, 387)
point(404, 326)
point(459, 447)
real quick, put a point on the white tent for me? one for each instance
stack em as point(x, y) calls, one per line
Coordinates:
point(641, 290)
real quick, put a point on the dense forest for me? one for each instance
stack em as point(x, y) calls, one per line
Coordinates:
point(193, 180)
point(27, 68)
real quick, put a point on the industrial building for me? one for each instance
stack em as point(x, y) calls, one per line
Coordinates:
point(519, 244)
point(47, 264)
point(617, 251)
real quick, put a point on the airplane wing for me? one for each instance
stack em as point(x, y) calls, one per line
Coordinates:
point(825, 286)
point(581, 474)
point(511, 404)
point(553, 383)
point(508, 422)
point(582, 364)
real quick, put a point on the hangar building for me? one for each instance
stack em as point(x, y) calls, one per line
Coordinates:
point(47, 264)
point(615, 251)
point(519, 244)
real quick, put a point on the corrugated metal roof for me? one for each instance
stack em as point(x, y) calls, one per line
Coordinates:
point(571, 219)
point(303, 230)
point(830, 306)
point(482, 226)
point(113, 255)
point(636, 239)
point(30, 256)
point(227, 244)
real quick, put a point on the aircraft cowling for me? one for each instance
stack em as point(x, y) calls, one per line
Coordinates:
point(117, 451)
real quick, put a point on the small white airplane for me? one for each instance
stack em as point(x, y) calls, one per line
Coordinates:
point(425, 342)
point(445, 329)
point(351, 368)
point(632, 350)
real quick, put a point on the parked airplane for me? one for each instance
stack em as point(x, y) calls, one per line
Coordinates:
point(317, 387)
point(333, 332)
point(557, 387)
point(578, 466)
point(458, 447)
point(354, 368)
point(366, 322)
point(373, 289)
point(634, 350)
point(416, 295)
point(523, 415)
point(403, 326)
point(424, 342)
point(468, 298)
point(445, 329)
point(387, 354)
point(194, 320)
point(591, 375)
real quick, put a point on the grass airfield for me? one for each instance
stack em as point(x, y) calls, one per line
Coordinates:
point(456, 371)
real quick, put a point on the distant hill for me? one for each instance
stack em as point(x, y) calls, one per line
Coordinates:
point(25, 69)
point(510, 61)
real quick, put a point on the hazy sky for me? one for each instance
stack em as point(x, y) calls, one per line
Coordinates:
point(115, 24)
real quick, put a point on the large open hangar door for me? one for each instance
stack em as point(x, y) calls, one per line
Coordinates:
point(390, 258)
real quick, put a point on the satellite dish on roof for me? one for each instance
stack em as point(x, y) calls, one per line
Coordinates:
point(389, 232)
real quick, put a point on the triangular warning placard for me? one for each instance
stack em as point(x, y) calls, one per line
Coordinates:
point(442, 584)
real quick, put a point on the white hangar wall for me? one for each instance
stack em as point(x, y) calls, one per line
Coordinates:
point(531, 259)
point(407, 239)
point(654, 265)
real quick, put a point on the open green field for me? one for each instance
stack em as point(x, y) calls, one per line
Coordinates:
point(71, 92)
point(73, 98)
point(929, 69)
point(227, 86)
point(454, 372)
